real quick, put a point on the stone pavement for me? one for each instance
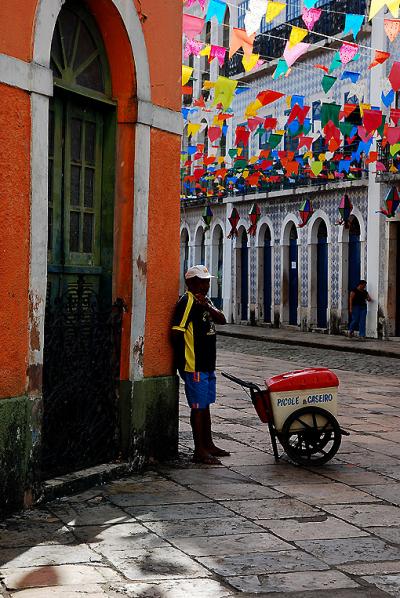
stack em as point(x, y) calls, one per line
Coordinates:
point(251, 527)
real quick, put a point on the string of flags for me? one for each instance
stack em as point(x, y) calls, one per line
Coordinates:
point(342, 148)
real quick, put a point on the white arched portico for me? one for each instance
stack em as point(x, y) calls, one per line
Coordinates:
point(242, 276)
point(265, 256)
point(217, 262)
point(344, 261)
point(319, 269)
point(147, 115)
point(289, 242)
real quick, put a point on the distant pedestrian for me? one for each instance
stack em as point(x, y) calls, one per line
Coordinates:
point(194, 342)
point(358, 308)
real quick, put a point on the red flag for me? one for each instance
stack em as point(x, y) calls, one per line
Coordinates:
point(379, 58)
point(268, 96)
point(394, 76)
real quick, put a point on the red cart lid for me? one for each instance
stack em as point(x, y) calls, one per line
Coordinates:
point(302, 379)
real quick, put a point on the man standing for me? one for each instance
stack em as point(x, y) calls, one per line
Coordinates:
point(358, 308)
point(194, 341)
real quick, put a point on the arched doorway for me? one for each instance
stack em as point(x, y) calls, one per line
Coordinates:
point(217, 265)
point(322, 275)
point(267, 276)
point(184, 247)
point(82, 326)
point(244, 277)
point(200, 246)
point(354, 262)
point(293, 276)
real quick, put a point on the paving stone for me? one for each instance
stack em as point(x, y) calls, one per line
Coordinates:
point(313, 530)
point(20, 535)
point(290, 582)
point(277, 473)
point(219, 475)
point(246, 455)
point(158, 563)
point(162, 492)
point(61, 575)
point(260, 563)
point(349, 550)
point(92, 590)
point(204, 527)
point(42, 555)
point(179, 512)
point(369, 515)
point(353, 475)
point(199, 588)
point(383, 567)
point(389, 492)
point(236, 491)
point(230, 544)
point(272, 508)
point(129, 535)
point(90, 514)
point(319, 494)
point(387, 583)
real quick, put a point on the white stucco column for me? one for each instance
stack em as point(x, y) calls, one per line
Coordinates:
point(375, 223)
point(227, 278)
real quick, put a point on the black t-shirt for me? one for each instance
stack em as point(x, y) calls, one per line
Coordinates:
point(195, 348)
point(360, 298)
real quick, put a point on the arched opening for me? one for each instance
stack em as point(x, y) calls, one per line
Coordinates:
point(354, 261)
point(267, 276)
point(184, 261)
point(217, 266)
point(200, 246)
point(244, 277)
point(322, 275)
point(82, 325)
point(293, 276)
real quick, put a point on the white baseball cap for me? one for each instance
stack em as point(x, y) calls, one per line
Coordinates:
point(199, 272)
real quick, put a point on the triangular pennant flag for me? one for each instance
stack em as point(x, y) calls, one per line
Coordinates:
point(379, 58)
point(273, 10)
point(327, 82)
point(249, 62)
point(192, 26)
point(193, 129)
point(292, 54)
point(347, 52)
point(394, 76)
point(353, 23)
point(281, 68)
point(316, 167)
point(310, 3)
point(310, 16)
point(240, 39)
point(387, 99)
point(376, 6)
point(252, 22)
point(216, 8)
point(219, 53)
point(392, 28)
point(268, 96)
point(354, 77)
point(224, 91)
point(297, 34)
point(186, 73)
point(336, 62)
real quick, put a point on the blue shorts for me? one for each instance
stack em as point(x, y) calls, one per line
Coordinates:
point(200, 389)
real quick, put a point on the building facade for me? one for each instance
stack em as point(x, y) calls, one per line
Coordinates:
point(286, 274)
point(89, 121)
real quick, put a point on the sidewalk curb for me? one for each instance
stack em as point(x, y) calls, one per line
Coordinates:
point(350, 348)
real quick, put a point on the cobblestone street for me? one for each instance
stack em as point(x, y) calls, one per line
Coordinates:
point(250, 527)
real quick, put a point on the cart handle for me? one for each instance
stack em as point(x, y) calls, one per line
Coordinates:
point(243, 383)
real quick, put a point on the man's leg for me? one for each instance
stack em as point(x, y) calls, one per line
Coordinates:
point(363, 319)
point(208, 440)
point(355, 319)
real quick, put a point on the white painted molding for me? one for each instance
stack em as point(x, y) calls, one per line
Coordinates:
point(160, 118)
point(289, 220)
point(26, 75)
point(312, 230)
point(262, 224)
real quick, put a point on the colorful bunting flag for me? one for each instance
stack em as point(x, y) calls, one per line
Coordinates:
point(217, 52)
point(249, 62)
point(281, 69)
point(224, 91)
point(353, 23)
point(327, 82)
point(273, 10)
point(392, 202)
point(310, 16)
point(392, 28)
point(240, 39)
point(186, 73)
point(379, 58)
point(291, 54)
point(192, 26)
point(394, 76)
point(387, 99)
point(377, 5)
point(297, 35)
point(354, 77)
point(347, 52)
point(306, 211)
point(216, 8)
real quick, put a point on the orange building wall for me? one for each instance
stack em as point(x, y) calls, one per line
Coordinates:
point(163, 252)
point(15, 133)
point(16, 26)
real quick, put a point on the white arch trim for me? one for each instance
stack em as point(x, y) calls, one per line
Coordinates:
point(218, 222)
point(184, 226)
point(342, 230)
point(289, 220)
point(313, 228)
point(148, 115)
point(262, 224)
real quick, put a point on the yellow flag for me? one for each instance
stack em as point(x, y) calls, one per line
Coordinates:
point(206, 50)
point(253, 159)
point(252, 108)
point(186, 73)
point(208, 84)
point(273, 10)
point(224, 91)
point(239, 151)
point(221, 159)
point(364, 107)
point(193, 129)
point(376, 5)
point(249, 62)
point(296, 36)
point(288, 101)
point(245, 173)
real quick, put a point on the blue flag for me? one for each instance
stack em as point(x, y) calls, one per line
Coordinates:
point(354, 77)
point(353, 23)
point(217, 9)
point(388, 98)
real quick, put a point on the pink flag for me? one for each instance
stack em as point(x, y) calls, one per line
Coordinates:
point(219, 53)
point(192, 26)
point(347, 52)
point(192, 46)
point(292, 54)
point(190, 3)
point(310, 16)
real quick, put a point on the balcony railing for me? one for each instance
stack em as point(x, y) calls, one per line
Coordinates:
point(271, 44)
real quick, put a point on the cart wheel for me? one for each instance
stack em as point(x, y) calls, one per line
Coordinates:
point(311, 436)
